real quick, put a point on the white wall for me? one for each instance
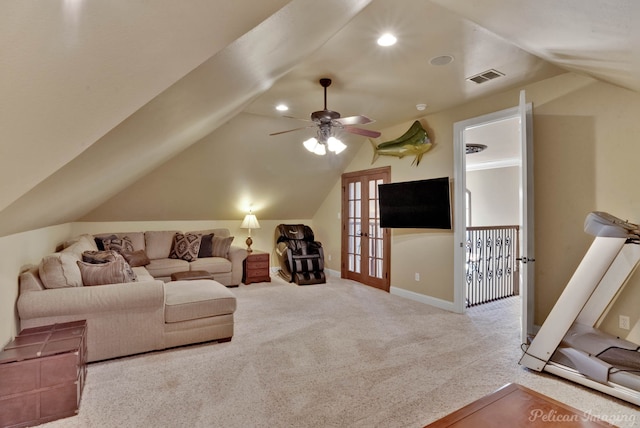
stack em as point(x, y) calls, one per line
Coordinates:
point(495, 195)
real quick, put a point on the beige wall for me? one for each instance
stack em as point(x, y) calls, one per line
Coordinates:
point(495, 196)
point(585, 150)
point(16, 251)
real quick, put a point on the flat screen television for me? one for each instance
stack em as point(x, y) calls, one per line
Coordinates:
point(424, 204)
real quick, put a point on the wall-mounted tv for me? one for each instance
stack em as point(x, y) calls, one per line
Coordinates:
point(424, 204)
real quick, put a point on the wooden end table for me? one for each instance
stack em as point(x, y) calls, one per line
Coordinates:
point(255, 268)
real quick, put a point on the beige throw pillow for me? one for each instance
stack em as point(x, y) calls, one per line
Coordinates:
point(59, 270)
point(112, 272)
point(220, 246)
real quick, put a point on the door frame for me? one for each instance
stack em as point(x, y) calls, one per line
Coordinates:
point(380, 283)
point(460, 223)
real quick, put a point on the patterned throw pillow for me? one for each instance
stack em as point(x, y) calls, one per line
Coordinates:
point(206, 246)
point(120, 245)
point(97, 257)
point(99, 240)
point(220, 246)
point(185, 246)
point(113, 272)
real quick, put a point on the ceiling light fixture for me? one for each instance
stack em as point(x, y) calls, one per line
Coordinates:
point(387, 39)
point(282, 107)
point(320, 145)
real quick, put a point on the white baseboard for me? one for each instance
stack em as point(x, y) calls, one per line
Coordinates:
point(422, 298)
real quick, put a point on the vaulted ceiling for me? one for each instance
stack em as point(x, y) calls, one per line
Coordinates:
point(103, 102)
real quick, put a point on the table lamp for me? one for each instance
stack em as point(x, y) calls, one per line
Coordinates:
point(250, 222)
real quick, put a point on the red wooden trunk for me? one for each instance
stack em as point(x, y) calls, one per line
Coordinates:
point(42, 373)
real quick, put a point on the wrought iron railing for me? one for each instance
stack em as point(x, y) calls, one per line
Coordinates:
point(492, 270)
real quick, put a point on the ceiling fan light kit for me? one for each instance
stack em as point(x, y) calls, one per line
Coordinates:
point(325, 120)
point(319, 147)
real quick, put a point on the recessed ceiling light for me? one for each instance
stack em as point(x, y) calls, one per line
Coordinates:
point(387, 39)
point(421, 107)
point(441, 60)
point(282, 107)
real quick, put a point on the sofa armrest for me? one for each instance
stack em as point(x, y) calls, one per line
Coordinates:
point(236, 256)
point(91, 300)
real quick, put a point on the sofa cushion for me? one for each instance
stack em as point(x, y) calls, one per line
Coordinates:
point(84, 237)
point(136, 258)
point(220, 246)
point(112, 272)
point(158, 243)
point(142, 274)
point(80, 245)
point(185, 246)
point(211, 264)
point(60, 270)
point(165, 267)
point(206, 246)
point(202, 298)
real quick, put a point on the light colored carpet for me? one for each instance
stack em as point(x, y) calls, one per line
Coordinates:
point(334, 355)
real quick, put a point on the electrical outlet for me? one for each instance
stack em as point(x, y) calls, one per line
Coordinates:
point(329, 257)
point(624, 323)
point(417, 276)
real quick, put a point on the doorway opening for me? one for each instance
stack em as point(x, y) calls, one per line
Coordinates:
point(523, 114)
point(493, 188)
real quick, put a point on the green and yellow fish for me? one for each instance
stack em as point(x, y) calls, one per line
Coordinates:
point(414, 142)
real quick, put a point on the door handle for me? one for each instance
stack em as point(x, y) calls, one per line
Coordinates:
point(525, 259)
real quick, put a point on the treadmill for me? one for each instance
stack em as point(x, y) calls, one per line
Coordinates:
point(569, 343)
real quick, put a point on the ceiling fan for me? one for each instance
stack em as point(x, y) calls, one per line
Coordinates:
point(325, 120)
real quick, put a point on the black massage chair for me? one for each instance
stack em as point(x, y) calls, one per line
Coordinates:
point(301, 257)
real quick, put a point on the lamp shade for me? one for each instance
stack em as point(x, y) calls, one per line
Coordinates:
point(250, 222)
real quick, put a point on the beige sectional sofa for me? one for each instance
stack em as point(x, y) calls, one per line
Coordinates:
point(137, 315)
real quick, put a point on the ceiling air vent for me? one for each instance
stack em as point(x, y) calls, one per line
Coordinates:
point(485, 76)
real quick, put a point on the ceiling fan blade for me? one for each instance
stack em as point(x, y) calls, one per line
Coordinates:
point(360, 131)
point(354, 120)
point(290, 130)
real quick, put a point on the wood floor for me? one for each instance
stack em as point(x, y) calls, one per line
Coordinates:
point(514, 405)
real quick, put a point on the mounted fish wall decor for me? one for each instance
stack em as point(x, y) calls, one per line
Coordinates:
point(414, 142)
